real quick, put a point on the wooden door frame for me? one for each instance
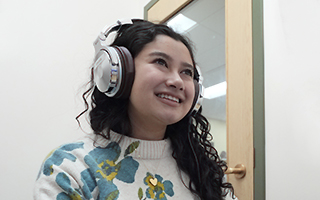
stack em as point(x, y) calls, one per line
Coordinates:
point(158, 11)
point(245, 82)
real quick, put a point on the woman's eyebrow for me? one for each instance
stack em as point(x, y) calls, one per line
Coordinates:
point(188, 65)
point(168, 57)
point(162, 54)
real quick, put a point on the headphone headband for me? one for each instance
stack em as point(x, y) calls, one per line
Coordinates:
point(102, 41)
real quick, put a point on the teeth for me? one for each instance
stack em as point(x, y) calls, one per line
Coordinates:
point(165, 96)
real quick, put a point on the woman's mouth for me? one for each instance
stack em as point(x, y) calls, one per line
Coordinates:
point(169, 97)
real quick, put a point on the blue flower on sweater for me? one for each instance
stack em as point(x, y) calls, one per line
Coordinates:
point(70, 193)
point(57, 156)
point(158, 190)
point(104, 168)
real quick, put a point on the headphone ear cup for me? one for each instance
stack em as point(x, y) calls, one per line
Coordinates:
point(114, 71)
point(102, 67)
point(127, 64)
point(196, 104)
point(199, 91)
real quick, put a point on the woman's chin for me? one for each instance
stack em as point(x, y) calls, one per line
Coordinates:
point(171, 119)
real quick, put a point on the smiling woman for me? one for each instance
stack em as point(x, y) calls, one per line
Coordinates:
point(149, 138)
point(163, 89)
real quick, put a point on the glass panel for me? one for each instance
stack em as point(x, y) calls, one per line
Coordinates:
point(203, 21)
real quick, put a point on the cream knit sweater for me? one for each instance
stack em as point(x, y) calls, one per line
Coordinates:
point(121, 168)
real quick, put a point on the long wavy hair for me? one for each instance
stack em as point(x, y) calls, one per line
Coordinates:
point(190, 137)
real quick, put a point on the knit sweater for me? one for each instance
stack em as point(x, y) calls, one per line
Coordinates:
point(121, 168)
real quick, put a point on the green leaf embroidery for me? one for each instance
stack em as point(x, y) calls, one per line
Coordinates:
point(131, 148)
point(140, 193)
point(113, 195)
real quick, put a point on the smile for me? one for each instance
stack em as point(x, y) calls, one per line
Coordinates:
point(165, 96)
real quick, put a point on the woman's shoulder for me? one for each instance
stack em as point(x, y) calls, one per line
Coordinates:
point(75, 153)
point(67, 152)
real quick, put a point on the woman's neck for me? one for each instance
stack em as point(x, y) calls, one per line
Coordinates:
point(145, 130)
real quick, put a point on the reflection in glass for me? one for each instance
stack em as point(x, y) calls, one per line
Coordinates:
point(203, 21)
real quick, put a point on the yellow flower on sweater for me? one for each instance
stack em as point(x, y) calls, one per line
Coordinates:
point(160, 190)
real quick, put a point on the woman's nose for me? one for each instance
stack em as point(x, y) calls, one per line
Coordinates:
point(174, 80)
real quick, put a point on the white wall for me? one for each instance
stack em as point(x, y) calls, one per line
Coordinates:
point(45, 52)
point(219, 133)
point(292, 71)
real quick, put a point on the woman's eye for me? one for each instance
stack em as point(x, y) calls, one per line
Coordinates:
point(188, 72)
point(161, 61)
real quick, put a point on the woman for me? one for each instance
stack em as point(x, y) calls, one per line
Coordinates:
point(149, 140)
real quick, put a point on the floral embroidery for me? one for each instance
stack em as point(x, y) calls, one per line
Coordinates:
point(64, 182)
point(140, 193)
point(104, 168)
point(160, 190)
point(57, 156)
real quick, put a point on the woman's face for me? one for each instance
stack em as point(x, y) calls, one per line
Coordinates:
point(163, 89)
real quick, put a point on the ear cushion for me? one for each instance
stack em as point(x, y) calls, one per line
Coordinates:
point(127, 64)
point(195, 105)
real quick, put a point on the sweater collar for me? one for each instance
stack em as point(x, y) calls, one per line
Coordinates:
point(147, 149)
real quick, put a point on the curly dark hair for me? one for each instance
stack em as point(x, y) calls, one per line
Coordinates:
point(192, 149)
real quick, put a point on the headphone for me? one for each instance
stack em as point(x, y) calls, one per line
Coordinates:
point(113, 68)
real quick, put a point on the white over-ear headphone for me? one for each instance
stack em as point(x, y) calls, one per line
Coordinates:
point(113, 68)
